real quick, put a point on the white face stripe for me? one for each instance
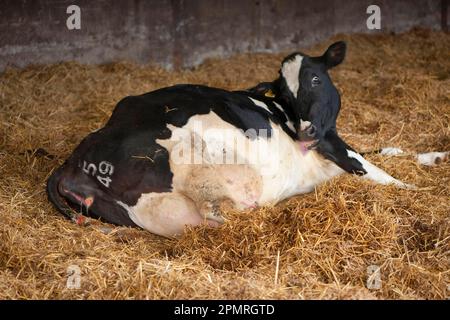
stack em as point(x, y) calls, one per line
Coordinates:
point(290, 71)
point(260, 104)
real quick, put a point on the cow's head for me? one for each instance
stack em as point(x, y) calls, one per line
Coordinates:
point(314, 99)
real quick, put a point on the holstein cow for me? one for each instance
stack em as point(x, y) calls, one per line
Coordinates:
point(154, 164)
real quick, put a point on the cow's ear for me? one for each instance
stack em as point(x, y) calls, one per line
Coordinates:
point(335, 54)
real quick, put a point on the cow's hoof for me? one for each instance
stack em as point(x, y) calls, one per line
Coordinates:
point(432, 158)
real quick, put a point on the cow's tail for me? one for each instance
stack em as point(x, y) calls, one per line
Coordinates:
point(54, 196)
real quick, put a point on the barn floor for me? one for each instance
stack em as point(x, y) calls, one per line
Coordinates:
point(395, 93)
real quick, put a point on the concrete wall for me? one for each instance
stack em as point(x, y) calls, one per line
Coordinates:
point(179, 33)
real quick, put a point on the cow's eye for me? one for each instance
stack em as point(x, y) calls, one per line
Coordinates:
point(315, 81)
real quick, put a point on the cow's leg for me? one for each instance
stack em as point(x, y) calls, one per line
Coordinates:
point(336, 150)
point(426, 159)
point(376, 174)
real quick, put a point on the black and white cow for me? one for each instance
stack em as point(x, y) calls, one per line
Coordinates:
point(129, 172)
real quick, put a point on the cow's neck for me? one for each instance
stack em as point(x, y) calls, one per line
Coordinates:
point(296, 172)
point(278, 92)
point(287, 101)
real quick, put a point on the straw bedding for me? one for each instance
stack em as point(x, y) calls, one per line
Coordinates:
point(395, 92)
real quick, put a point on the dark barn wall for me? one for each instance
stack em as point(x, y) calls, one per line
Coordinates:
point(177, 33)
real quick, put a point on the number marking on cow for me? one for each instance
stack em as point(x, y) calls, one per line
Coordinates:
point(105, 169)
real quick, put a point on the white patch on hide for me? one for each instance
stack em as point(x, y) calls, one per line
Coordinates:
point(290, 125)
point(278, 106)
point(260, 104)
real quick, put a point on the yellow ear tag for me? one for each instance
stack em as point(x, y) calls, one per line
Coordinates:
point(269, 93)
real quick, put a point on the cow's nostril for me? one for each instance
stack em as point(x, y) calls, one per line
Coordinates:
point(311, 130)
